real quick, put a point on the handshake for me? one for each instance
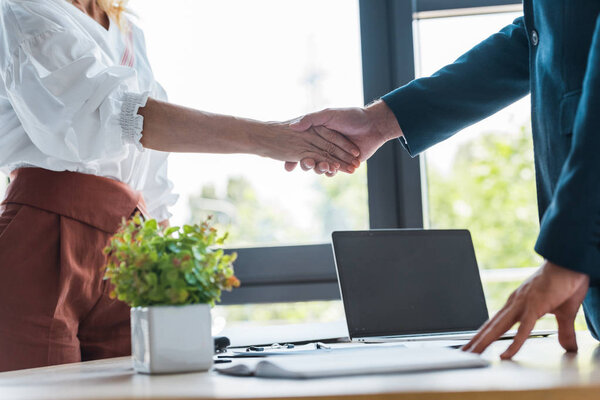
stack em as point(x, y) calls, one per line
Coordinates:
point(335, 140)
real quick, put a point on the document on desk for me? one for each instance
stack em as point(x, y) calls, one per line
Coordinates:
point(361, 361)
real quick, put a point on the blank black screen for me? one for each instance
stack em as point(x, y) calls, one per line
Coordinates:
point(402, 282)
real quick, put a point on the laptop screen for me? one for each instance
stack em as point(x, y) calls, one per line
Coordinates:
point(405, 282)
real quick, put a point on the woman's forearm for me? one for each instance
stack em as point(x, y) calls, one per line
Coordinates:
point(172, 128)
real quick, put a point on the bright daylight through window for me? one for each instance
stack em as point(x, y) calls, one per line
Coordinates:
point(279, 68)
point(282, 60)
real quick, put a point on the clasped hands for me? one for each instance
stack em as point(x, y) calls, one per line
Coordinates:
point(353, 135)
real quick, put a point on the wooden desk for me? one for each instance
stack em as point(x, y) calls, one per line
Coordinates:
point(540, 371)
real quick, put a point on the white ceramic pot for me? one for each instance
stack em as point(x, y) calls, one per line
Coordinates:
point(168, 339)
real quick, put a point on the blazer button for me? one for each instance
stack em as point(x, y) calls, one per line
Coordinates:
point(534, 38)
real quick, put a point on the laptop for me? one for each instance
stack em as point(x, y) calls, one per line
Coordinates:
point(410, 284)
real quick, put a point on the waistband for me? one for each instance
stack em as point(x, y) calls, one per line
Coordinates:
point(94, 200)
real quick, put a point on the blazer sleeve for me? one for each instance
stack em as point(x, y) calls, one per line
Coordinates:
point(570, 228)
point(487, 78)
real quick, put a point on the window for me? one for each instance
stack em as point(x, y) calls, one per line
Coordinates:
point(268, 60)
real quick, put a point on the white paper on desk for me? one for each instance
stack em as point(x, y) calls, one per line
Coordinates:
point(358, 362)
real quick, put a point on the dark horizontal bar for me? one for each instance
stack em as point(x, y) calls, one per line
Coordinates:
point(282, 293)
point(436, 5)
point(285, 264)
point(299, 282)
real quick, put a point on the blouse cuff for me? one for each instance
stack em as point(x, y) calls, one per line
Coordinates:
point(132, 124)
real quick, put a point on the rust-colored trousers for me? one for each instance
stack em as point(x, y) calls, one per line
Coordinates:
point(54, 304)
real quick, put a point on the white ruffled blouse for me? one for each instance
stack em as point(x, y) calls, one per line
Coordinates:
point(69, 95)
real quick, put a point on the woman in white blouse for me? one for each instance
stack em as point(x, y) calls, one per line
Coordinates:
point(84, 134)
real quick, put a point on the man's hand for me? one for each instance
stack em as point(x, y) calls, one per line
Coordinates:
point(369, 128)
point(552, 289)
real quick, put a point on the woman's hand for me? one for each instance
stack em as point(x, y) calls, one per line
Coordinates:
point(552, 289)
point(327, 147)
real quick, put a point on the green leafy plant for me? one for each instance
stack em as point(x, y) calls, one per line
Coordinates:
point(179, 265)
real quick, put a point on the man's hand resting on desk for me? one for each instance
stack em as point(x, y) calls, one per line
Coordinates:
point(368, 128)
point(552, 289)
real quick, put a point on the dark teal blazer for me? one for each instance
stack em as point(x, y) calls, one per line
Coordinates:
point(553, 52)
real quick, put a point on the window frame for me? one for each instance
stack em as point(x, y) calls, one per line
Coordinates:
point(395, 181)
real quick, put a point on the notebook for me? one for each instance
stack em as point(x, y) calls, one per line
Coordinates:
point(360, 361)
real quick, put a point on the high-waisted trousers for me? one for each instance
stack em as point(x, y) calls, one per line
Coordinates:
point(54, 304)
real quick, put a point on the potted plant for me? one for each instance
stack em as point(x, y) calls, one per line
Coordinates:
point(169, 278)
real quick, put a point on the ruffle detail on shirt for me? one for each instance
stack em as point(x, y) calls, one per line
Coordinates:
point(160, 197)
point(162, 213)
point(132, 124)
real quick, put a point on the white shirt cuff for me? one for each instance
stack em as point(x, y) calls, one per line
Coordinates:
point(132, 124)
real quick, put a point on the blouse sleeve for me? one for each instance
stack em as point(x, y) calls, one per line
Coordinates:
point(158, 190)
point(73, 104)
